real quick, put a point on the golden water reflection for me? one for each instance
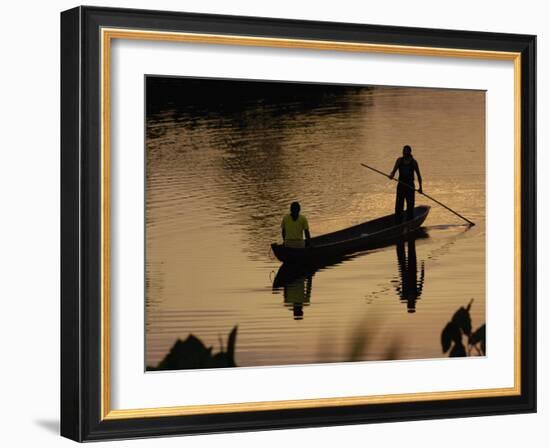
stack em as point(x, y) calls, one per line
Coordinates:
point(220, 175)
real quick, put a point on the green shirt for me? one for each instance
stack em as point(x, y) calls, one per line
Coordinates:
point(294, 230)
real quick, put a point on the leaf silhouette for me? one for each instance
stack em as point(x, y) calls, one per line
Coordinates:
point(458, 351)
point(450, 333)
point(463, 320)
point(478, 337)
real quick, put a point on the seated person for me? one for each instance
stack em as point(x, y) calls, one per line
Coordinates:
point(294, 226)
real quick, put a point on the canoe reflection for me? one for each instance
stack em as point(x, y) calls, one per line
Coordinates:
point(295, 281)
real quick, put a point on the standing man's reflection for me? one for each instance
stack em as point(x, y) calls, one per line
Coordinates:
point(409, 289)
point(297, 294)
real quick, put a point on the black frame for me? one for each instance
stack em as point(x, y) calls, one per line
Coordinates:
point(81, 213)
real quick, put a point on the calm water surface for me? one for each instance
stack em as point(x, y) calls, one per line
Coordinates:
point(220, 178)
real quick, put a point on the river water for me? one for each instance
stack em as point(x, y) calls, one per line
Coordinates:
point(224, 159)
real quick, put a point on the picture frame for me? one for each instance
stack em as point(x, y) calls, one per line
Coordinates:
point(86, 37)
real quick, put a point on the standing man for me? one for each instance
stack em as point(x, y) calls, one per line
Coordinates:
point(294, 227)
point(407, 166)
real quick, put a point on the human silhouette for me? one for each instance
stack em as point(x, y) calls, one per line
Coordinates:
point(410, 287)
point(407, 166)
point(297, 294)
point(294, 226)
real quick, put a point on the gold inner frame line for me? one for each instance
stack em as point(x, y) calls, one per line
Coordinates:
point(107, 35)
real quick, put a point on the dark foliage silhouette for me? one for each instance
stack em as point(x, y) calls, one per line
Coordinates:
point(460, 328)
point(193, 354)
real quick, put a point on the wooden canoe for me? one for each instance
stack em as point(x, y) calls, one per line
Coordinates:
point(289, 272)
point(368, 235)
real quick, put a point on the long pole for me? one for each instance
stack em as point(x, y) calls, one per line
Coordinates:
point(424, 194)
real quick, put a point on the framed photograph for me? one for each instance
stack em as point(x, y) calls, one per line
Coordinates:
point(275, 224)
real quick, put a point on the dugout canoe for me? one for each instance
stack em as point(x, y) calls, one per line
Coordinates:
point(368, 235)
